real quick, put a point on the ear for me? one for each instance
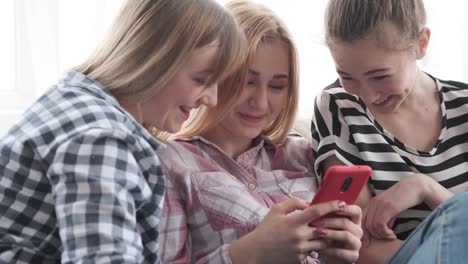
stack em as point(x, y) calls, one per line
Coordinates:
point(423, 42)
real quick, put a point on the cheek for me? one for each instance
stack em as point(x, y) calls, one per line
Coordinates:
point(350, 87)
point(278, 103)
point(394, 86)
point(183, 91)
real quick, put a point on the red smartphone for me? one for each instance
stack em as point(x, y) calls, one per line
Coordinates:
point(342, 183)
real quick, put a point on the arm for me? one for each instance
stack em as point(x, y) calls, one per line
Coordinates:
point(174, 237)
point(295, 236)
point(433, 193)
point(411, 190)
point(95, 181)
point(374, 250)
point(176, 232)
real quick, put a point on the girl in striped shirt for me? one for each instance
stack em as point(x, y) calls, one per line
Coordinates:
point(383, 111)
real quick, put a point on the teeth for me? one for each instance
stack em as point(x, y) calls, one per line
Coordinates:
point(381, 100)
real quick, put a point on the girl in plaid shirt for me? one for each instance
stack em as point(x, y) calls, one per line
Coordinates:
point(237, 183)
point(79, 178)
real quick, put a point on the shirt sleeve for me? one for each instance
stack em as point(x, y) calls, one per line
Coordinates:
point(175, 230)
point(97, 186)
point(330, 131)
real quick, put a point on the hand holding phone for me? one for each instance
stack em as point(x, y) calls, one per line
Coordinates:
point(343, 183)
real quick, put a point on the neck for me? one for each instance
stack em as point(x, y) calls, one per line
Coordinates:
point(424, 88)
point(231, 144)
point(132, 108)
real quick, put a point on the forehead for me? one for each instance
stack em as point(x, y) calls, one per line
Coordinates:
point(365, 54)
point(272, 57)
point(204, 56)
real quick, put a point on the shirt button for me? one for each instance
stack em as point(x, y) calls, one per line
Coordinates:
point(252, 186)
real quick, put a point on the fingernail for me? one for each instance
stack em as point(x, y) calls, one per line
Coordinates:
point(321, 232)
point(341, 205)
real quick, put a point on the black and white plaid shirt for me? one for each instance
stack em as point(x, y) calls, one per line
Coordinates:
point(79, 181)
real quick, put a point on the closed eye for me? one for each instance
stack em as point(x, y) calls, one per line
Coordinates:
point(279, 87)
point(200, 80)
point(380, 77)
point(250, 83)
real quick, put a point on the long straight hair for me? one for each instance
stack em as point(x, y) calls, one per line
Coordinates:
point(259, 24)
point(151, 39)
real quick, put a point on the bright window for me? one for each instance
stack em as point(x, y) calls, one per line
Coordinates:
point(41, 39)
point(7, 45)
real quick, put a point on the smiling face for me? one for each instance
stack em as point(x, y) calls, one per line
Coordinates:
point(187, 90)
point(264, 94)
point(381, 77)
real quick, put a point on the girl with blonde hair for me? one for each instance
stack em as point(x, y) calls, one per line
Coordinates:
point(80, 181)
point(237, 182)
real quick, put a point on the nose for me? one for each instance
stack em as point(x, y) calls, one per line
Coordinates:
point(260, 97)
point(209, 96)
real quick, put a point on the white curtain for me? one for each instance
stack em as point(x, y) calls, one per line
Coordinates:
point(44, 38)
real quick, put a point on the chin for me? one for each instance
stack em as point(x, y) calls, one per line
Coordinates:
point(251, 135)
point(173, 128)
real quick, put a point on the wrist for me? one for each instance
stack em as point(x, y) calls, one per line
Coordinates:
point(433, 194)
point(244, 250)
point(425, 187)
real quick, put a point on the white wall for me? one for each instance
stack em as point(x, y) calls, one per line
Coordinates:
point(41, 39)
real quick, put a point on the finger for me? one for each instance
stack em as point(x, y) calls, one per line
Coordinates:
point(380, 227)
point(391, 234)
point(346, 239)
point(313, 245)
point(370, 220)
point(367, 221)
point(318, 210)
point(353, 212)
point(365, 239)
point(346, 255)
point(342, 223)
point(365, 234)
point(289, 206)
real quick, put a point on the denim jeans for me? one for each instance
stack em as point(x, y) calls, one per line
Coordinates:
point(441, 238)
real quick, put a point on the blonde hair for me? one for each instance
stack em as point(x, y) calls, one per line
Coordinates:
point(259, 24)
point(150, 40)
point(350, 20)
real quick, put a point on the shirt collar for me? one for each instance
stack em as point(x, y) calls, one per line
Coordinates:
point(259, 143)
point(78, 79)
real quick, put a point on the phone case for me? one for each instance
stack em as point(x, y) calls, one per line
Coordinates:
point(342, 183)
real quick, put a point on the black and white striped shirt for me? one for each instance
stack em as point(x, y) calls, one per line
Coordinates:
point(79, 181)
point(343, 126)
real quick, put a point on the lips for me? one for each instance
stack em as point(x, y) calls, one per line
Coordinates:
point(185, 112)
point(251, 118)
point(382, 100)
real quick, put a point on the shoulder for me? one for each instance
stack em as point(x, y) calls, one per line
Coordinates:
point(453, 84)
point(178, 151)
point(334, 96)
point(180, 158)
point(65, 111)
point(296, 147)
point(295, 141)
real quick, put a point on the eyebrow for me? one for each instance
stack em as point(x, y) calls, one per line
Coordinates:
point(207, 71)
point(275, 76)
point(366, 73)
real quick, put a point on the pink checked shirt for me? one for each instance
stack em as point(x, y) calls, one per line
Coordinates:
point(212, 200)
